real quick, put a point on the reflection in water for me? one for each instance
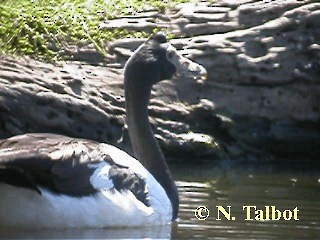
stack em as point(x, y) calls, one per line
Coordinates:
point(237, 187)
point(155, 232)
point(224, 185)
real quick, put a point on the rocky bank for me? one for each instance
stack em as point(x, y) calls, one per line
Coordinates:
point(260, 101)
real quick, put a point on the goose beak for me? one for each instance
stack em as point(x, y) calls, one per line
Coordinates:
point(198, 72)
point(190, 69)
point(185, 67)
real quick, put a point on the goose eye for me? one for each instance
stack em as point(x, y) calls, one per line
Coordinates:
point(170, 54)
point(186, 64)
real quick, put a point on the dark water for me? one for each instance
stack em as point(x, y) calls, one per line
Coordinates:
point(286, 187)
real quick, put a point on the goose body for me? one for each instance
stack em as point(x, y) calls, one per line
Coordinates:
point(54, 181)
point(76, 183)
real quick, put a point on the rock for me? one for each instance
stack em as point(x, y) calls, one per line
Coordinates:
point(191, 146)
point(139, 24)
point(87, 101)
point(41, 97)
point(260, 101)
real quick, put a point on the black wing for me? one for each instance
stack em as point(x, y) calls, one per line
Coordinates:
point(61, 165)
point(55, 162)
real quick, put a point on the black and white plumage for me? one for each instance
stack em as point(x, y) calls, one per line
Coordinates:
point(49, 180)
point(67, 182)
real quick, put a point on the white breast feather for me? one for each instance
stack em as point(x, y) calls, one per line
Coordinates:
point(100, 177)
point(160, 209)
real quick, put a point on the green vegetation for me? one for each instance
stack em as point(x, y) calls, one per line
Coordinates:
point(46, 28)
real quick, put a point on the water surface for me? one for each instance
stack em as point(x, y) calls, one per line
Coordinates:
point(287, 186)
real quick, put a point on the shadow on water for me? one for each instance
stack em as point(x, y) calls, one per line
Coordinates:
point(285, 185)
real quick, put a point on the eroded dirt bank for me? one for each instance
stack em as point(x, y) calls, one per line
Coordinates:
point(261, 98)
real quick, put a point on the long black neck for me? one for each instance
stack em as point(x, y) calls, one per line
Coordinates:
point(145, 147)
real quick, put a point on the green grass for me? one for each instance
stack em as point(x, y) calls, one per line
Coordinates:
point(45, 28)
